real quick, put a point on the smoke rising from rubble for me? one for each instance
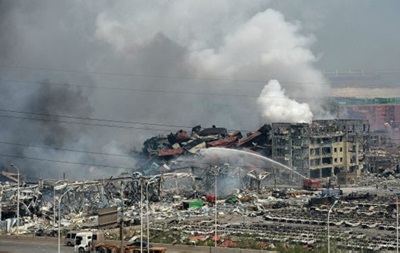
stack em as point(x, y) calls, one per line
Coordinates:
point(275, 106)
point(51, 131)
point(54, 101)
point(259, 44)
point(164, 47)
point(225, 159)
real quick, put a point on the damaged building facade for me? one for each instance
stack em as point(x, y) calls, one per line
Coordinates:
point(290, 145)
point(177, 202)
point(338, 147)
point(322, 149)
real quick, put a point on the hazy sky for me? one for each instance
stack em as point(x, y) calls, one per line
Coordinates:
point(349, 34)
point(167, 65)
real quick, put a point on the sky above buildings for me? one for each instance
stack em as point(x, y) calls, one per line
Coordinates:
point(103, 76)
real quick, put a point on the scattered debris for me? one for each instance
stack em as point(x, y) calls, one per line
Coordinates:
point(181, 198)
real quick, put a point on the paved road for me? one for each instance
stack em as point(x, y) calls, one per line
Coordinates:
point(30, 244)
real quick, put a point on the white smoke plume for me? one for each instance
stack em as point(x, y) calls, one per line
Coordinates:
point(276, 106)
point(244, 43)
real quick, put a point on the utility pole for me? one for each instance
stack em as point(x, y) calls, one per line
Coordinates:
point(122, 216)
point(397, 223)
point(1, 197)
point(216, 210)
point(141, 214)
point(12, 165)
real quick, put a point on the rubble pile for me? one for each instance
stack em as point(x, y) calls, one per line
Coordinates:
point(354, 223)
point(180, 210)
point(164, 148)
point(41, 202)
point(29, 198)
point(191, 200)
point(384, 162)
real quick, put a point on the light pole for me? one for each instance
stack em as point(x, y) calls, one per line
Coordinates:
point(121, 232)
point(1, 197)
point(59, 217)
point(397, 223)
point(141, 215)
point(216, 214)
point(329, 212)
point(54, 203)
point(54, 200)
point(151, 181)
point(12, 165)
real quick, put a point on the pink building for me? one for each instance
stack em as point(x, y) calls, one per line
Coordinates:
point(378, 115)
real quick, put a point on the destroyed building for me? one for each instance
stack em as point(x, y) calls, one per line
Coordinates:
point(179, 208)
point(322, 149)
point(161, 148)
point(384, 160)
point(378, 111)
point(290, 145)
point(338, 147)
point(383, 115)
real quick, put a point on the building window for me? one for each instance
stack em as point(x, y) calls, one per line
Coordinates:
point(335, 150)
point(341, 159)
point(335, 160)
point(341, 149)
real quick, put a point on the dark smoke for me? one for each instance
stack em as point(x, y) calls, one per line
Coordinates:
point(141, 45)
point(147, 44)
point(57, 100)
point(46, 127)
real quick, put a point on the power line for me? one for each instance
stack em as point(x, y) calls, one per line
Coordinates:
point(82, 123)
point(130, 74)
point(102, 125)
point(164, 91)
point(54, 118)
point(172, 77)
point(64, 149)
point(130, 89)
point(165, 77)
point(65, 162)
point(87, 118)
point(92, 164)
point(151, 91)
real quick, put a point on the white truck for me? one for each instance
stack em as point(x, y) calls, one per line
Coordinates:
point(84, 240)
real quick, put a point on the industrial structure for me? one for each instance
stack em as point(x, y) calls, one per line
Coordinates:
point(381, 113)
point(322, 149)
point(174, 185)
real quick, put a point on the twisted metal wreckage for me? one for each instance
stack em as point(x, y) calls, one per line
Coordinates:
point(85, 198)
point(80, 205)
point(178, 180)
point(186, 173)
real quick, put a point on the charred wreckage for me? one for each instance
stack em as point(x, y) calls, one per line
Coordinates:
point(179, 180)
